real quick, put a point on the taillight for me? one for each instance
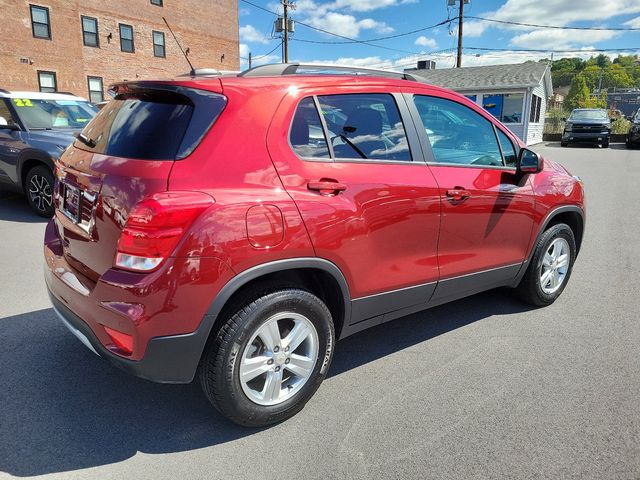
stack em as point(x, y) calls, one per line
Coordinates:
point(155, 226)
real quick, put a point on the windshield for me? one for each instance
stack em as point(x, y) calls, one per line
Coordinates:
point(53, 114)
point(589, 115)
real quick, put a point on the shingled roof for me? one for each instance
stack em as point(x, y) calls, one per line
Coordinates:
point(519, 75)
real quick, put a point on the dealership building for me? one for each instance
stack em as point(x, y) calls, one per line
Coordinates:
point(515, 94)
point(83, 46)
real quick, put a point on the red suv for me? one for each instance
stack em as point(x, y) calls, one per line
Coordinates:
point(234, 228)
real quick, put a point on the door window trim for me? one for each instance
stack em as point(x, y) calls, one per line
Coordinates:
point(413, 139)
point(426, 143)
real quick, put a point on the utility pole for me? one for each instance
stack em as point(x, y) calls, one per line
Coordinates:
point(249, 60)
point(460, 21)
point(286, 5)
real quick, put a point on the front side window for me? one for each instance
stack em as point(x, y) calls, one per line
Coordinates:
point(90, 32)
point(6, 118)
point(126, 38)
point(457, 134)
point(365, 126)
point(95, 89)
point(508, 151)
point(506, 107)
point(158, 44)
point(47, 81)
point(306, 135)
point(40, 26)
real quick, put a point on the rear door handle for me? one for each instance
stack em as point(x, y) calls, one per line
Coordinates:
point(458, 194)
point(327, 187)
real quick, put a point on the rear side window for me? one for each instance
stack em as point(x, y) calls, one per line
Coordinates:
point(306, 135)
point(365, 126)
point(165, 123)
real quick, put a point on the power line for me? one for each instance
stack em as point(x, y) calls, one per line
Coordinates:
point(558, 27)
point(549, 50)
point(351, 40)
point(264, 55)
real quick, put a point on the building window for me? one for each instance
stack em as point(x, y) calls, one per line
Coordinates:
point(40, 26)
point(47, 81)
point(90, 32)
point(95, 89)
point(506, 107)
point(158, 44)
point(126, 38)
point(156, 2)
point(536, 106)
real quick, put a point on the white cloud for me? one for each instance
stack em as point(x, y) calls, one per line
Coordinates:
point(426, 42)
point(347, 25)
point(560, 39)
point(633, 23)
point(367, 5)
point(250, 34)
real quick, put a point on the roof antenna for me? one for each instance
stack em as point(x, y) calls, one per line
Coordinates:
point(193, 70)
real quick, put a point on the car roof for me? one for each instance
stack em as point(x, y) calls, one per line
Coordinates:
point(40, 95)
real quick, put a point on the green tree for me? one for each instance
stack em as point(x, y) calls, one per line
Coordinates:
point(616, 76)
point(578, 96)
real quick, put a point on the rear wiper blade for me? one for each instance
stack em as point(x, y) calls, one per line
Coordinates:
point(89, 142)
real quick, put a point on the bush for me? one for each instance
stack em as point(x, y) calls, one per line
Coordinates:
point(620, 125)
point(554, 120)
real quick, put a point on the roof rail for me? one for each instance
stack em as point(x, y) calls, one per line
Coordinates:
point(279, 69)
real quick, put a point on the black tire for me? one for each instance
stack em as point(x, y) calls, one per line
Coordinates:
point(530, 290)
point(219, 368)
point(38, 187)
point(605, 144)
point(564, 144)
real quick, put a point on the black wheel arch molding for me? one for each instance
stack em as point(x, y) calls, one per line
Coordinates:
point(31, 156)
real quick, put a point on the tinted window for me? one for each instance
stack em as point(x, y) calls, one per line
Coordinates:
point(458, 134)
point(306, 135)
point(152, 124)
point(365, 126)
point(508, 152)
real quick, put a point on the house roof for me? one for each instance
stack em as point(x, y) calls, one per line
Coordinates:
point(519, 75)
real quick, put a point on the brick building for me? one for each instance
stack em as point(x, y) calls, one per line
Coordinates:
point(83, 46)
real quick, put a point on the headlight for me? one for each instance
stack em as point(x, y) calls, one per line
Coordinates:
point(568, 127)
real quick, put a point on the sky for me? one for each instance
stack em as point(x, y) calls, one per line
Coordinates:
point(369, 20)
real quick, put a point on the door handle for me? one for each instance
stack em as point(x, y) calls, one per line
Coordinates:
point(457, 194)
point(327, 186)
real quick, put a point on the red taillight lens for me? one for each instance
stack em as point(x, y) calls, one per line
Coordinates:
point(155, 226)
point(121, 340)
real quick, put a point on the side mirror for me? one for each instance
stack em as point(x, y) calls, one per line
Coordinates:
point(528, 162)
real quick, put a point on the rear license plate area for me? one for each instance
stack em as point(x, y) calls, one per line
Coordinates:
point(71, 203)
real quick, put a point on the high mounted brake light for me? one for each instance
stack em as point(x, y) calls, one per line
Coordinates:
point(155, 226)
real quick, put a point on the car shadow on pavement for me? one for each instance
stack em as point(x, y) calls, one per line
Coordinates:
point(14, 208)
point(64, 409)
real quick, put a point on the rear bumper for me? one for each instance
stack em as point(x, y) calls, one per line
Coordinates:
point(172, 359)
point(586, 137)
point(165, 312)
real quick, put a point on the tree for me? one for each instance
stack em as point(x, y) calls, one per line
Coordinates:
point(616, 76)
point(578, 96)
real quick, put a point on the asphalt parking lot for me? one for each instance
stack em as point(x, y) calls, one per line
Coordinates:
point(482, 388)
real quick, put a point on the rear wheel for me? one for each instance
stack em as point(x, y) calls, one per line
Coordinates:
point(563, 144)
point(605, 144)
point(269, 357)
point(550, 268)
point(38, 187)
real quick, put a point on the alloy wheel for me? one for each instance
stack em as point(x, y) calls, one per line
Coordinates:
point(555, 265)
point(40, 192)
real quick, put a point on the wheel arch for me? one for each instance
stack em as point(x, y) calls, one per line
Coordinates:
point(572, 215)
point(29, 159)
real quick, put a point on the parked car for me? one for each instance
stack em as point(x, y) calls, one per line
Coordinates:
point(205, 229)
point(35, 128)
point(587, 125)
point(633, 136)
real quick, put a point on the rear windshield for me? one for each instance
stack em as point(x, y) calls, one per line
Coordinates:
point(152, 123)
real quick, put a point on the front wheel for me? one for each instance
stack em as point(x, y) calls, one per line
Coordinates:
point(269, 357)
point(550, 268)
point(39, 189)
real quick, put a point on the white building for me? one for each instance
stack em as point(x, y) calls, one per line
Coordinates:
point(515, 94)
